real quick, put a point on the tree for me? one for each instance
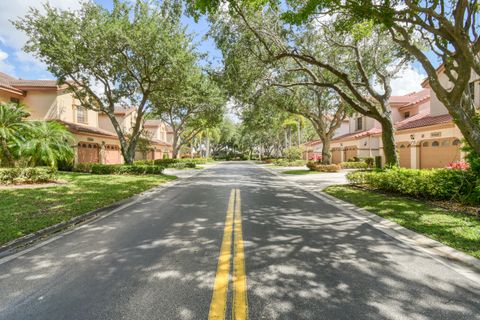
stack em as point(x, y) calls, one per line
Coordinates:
point(109, 58)
point(189, 103)
point(12, 125)
point(321, 106)
point(430, 31)
point(358, 66)
point(48, 143)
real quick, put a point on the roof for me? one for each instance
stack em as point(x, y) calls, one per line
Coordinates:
point(77, 127)
point(160, 142)
point(153, 123)
point(14, 84)
point(360, 134)
point(410, 99)
point(313, 142)
point(426, 120)
point(121, 110)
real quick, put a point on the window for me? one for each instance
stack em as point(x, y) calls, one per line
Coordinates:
point(425, 144)
point(359, 123)
point(456, 142)
point(406, 115)
point(14, 100)
point(435, 144)
point(82, 115)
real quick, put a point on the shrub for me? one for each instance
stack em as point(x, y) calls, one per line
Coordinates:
point(268, 161)
point(180, 163)
point(378, 162)
point(353, 165)
point(458, 165)
point(440, 184)
point(287, 163)
point(27, 175)
point(315, 166)
point(292, 153)
point(84, 167)
point(369, 161)
point(126, 169)
point(144, 162)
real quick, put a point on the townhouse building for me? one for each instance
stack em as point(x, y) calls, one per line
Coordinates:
point(95, 139)
point(425, 134)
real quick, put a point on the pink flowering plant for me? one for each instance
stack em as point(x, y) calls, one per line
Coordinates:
point(458, 165)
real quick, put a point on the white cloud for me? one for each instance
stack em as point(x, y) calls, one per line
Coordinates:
point(409, 79)
point(13, 10)
point(4, 65)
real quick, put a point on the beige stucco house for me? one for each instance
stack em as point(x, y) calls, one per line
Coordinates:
point(425, 134)
point(95, 138)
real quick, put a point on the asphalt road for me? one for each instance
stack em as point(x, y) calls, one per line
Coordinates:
point(304, 259)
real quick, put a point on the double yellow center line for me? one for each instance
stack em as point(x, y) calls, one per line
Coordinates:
point(232, 230)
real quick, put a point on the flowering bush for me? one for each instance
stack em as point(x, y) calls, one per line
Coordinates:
point(459, 165)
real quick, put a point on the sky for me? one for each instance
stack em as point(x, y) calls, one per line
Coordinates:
point(15, 62)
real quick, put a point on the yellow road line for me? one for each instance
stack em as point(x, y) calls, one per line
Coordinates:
point(240, 304)
point(218, 305)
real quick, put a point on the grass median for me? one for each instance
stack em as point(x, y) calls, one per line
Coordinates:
point(455, 229)
point(24, 211)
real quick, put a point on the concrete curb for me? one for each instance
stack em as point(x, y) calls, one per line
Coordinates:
point(26, 241)
point(392, 229)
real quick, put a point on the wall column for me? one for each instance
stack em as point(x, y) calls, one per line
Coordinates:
point(413, 155)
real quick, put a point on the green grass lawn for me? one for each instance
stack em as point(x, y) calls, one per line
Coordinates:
point(458, 230)
point(301, 172)
point(24, 211)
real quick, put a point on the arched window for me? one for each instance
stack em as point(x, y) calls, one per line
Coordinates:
point(435, 144)
point(402, 146)
point(445, 143)
point(456, 142)
point(425, 144)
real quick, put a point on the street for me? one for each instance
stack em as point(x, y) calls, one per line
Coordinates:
point(232, 241)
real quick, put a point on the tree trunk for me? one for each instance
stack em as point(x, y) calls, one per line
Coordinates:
point(175, 146)
point(326, 155)
point(8, 155)
point(388, 139)
point(207, 148)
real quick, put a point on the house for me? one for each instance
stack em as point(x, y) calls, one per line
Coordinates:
point(312, 150)
point(425, 134)
point(95, 137)
point(47, 100)
point(157, 139)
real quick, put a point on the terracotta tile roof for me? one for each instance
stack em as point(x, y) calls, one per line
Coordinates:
point(153, 123)
point(120, 110)
point(410, 99)
point(77, 127)
point(313, 142)
point(160, 142)
point(425, 121)
point(360, 134)
point(11, 83)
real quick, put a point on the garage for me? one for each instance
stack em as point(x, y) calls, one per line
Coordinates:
point(88, 152)
point(112, 154)
point(438, 153)
point(350, 153)
point(336, 155)
point(404, 153)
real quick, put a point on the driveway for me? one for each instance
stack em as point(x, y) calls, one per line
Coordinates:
point(233, 239)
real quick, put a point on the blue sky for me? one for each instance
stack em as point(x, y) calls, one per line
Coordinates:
point(15, 62)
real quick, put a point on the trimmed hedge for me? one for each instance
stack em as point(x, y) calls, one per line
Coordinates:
point(126, 169)
point(287, 163)
point(439, 184)
point(353, 165)
point(315, 166)
point(27, 175)
point(84, 167)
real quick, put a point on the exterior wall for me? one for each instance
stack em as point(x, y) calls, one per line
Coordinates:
point(105, 123)
point(104, 155)
point(442, 155)
point(5, 96)
point(343, 129)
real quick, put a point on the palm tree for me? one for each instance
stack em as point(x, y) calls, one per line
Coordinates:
point(48, 143)
point(12, 127)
